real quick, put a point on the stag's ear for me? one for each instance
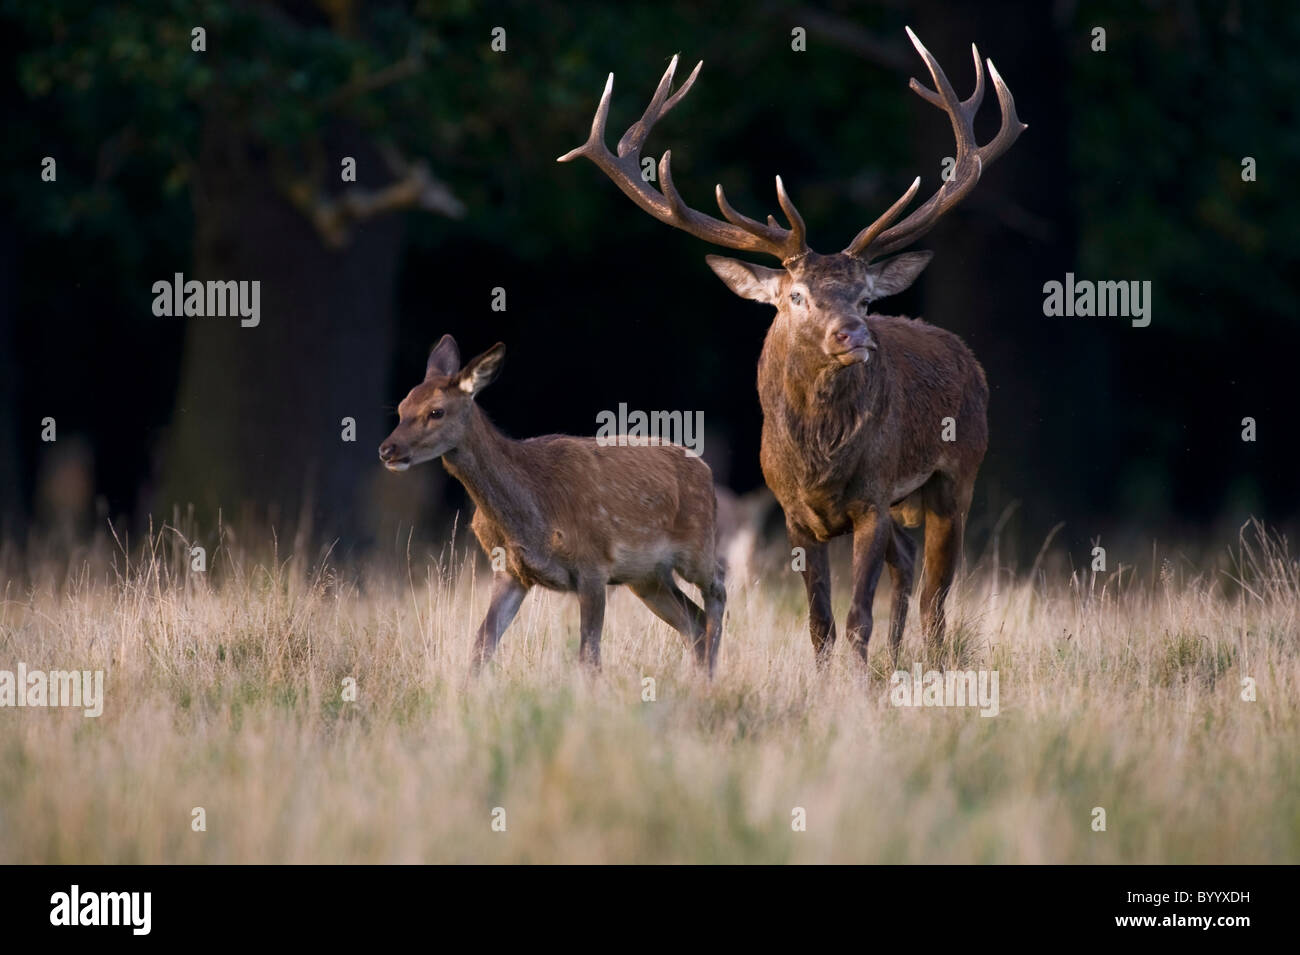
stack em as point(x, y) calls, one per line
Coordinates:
point(479, 373)
point(444, 360)
point(894, 275)
point(746, 280)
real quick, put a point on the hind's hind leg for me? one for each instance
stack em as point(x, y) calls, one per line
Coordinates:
point(666, 600)
point(715, 604)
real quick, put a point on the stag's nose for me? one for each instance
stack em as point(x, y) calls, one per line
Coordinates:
point(850, 343)
point(387, 451)
point(853, 337)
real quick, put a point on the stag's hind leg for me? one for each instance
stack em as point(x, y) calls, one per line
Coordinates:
point(946, 503)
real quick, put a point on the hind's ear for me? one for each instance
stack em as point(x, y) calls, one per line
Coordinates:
point(444, 360)
point(747, 280)
point(894, 275)
point(480, 372)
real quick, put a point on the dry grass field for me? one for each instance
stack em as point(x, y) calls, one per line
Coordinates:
point(224, 691)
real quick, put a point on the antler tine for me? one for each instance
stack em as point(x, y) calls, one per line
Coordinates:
point(970, 106)
point(793, 240)
point(624, 169)
point(947, 96)
point(660, 104)
point(1011, 128)
point(1011, 125)
point(676, 203)
point(970, 161)
point(798, 230)
point(868, 235)
point(739, 218)
point(597, 136)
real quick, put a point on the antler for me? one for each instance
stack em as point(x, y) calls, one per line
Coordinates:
point(738, 232)
point(878, 239)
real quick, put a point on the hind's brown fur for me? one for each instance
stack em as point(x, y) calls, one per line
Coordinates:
point(567, 513)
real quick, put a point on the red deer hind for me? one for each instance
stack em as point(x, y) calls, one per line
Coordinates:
point(869, 421)
point(567, 513)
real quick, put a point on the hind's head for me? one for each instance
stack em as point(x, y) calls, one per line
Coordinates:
point(435, 414)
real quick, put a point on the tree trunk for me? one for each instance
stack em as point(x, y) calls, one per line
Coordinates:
point(257, 429)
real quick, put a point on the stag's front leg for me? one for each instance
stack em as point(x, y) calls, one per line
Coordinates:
point(507, 595)
point(901, 558)
point(871, 538)
point(817, 582)
point(591, 617)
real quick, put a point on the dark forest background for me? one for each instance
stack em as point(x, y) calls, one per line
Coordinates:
point(224, 164)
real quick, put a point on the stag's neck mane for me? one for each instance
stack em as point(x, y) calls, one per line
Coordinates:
point(798, 379)
point(819, 404)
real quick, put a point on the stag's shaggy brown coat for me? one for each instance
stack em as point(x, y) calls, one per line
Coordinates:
point(869, 422)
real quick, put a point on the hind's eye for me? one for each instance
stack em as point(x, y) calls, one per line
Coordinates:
point(796, 297)
point(864, 304)
point(435, 414)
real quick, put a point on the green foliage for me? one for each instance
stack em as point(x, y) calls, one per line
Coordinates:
point(1151, 168)
point(121, 91)
point(1163, 119)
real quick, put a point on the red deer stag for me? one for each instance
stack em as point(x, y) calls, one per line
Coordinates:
point(567, 513)
point(869, 421)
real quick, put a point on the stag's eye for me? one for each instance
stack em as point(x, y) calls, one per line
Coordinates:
point(864, 303)
point(796, 297)
point(435, 414)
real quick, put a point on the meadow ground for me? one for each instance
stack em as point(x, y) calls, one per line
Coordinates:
point(224, 691)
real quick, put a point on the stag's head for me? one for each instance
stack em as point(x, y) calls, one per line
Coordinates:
point(435, 415)
point(822, 298)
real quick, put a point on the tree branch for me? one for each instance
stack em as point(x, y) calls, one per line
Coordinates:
point(415, 187)
point(849, 36)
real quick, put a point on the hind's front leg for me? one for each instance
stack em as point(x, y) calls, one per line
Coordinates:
point(591, 613)
point(507, 594)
